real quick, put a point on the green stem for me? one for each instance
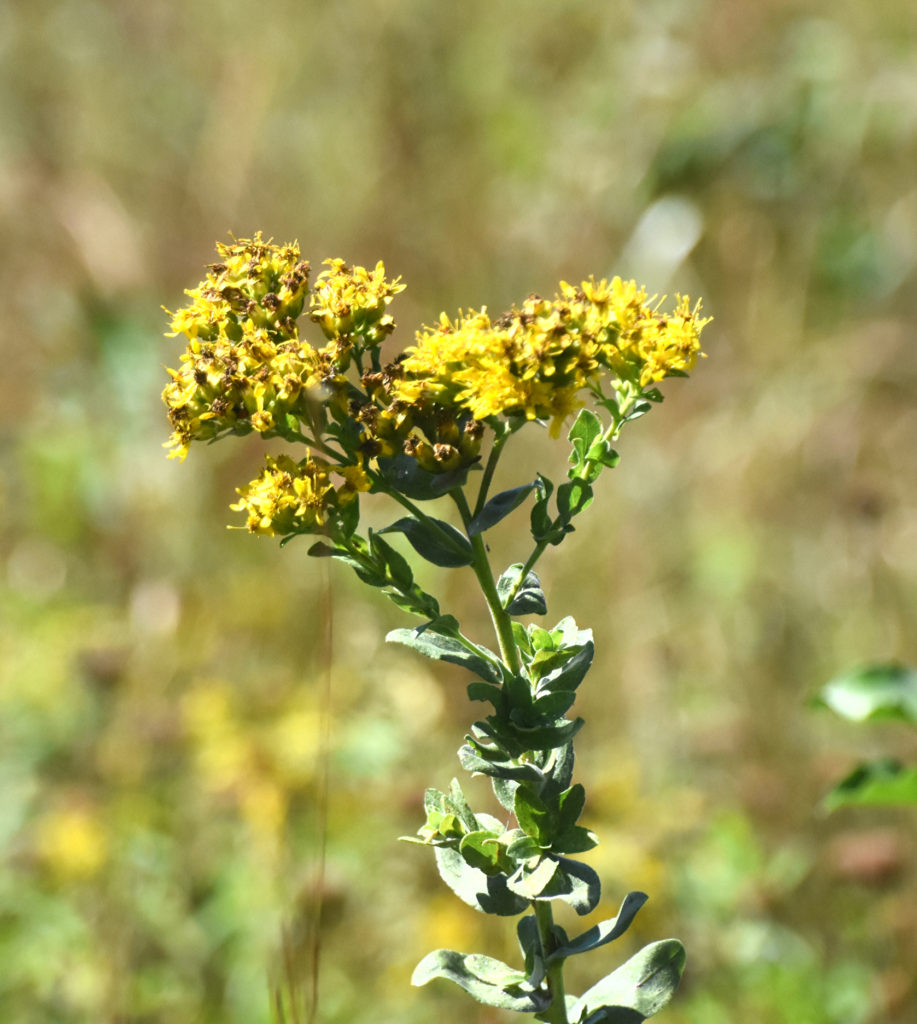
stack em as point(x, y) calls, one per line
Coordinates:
point(557, 1012)
point(503, 624)
point(495, 449)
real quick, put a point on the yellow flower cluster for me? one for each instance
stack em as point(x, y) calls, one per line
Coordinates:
point(535, 360)
point(295, 497)
point(348, 301)
point(246, 368)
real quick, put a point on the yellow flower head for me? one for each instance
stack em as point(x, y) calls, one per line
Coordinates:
point(350, 302)
point(297, 497)
point(523, 364)
point(245, 367)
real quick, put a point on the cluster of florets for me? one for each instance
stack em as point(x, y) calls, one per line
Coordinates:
point(246, 368)
point(536, 361)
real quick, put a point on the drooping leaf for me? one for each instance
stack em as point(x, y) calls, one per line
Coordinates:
point(490, 981)
point(872, 693)
point(607, 931)
point(883, 782)
point(484, 892)
point(434, 540)
point(446, 648)
point(637, 989)
point(403, 474)
point(499, 506)
point(576, 884)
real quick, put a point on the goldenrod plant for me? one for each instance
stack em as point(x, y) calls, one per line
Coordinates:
point(432, 423)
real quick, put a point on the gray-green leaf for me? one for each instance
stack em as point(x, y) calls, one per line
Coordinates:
point(607, 931)
point(637, 989)
point(434, 540)
point(490, 981)
point(499, 506)
point(446, 648)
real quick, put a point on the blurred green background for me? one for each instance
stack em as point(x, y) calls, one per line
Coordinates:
point(172, 692)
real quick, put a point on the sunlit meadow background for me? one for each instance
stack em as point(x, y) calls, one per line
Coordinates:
point(173, 694)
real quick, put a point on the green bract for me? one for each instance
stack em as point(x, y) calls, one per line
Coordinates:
point(420, 429)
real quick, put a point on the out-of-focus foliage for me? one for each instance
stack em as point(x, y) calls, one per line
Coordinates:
point(869, 694)
point(168, 690)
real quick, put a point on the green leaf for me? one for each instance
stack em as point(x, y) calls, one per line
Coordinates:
point(570, 674)
point(873, 693)
point(482, 850)
point(558, 771)
point(884, 782)
point(570, 805)
point(607, 931)
point(460, 805)
point(553, 705)
point(575, 839)
point(572, 498)
point(415, 600)
point(543, 527)
point(530, 944)
point(486, 691)
point(547, 737)
point(499, 506)
point(446, 648)
point(637, 989)
point(524, 848)
point(403, 474)
point(434, 540)
point(575, 883)
point(526, 598)
point(504, 791)
point(490, 981)
point(530, 881)
point(396, 564)
point(586, 429)
point(481, 760)
point(367, 573)
point(534, 818)
point(484, 892)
